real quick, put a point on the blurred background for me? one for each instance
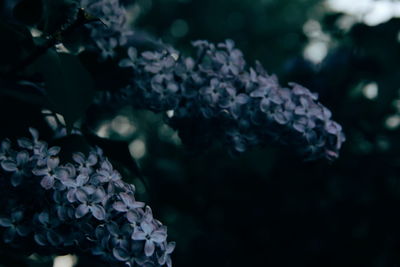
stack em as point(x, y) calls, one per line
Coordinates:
point(268, 207)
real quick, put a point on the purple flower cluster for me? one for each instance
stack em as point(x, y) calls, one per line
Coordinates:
point(112, 31)
point(216, 97)
point(80, 206)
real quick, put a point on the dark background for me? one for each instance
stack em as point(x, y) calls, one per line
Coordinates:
point(268, 207)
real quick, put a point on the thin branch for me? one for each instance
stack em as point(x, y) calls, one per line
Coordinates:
point(82, 19)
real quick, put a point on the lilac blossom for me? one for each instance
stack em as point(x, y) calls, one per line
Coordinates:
point(14, 226)
point(215, 96)
point(17, 166)
point(148, 232)
point(83, 204)
point(90, 199)
point(112, 30)
point(50, 172)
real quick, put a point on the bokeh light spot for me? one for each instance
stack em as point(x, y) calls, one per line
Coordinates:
point(370, 90)
point(179, 28)
point(137, 148)
point(65, 261)
point(370, 12)
point(122, 125)
point(316, 51)
point(392, 122)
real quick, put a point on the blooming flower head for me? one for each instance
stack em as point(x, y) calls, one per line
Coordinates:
point(215, 96)
point(112, 29)
point(83, 203)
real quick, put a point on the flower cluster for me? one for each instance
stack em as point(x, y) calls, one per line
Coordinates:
point(215, 96)
point(80, 206)
point(112, 31)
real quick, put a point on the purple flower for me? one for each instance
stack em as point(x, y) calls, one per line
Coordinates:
point(165, 257)
point(17, 166)
point(107, 175)
point(5, 149)
point(130, 61)
point(106, 38)
point(85, 164)
point(151, 235)
point(47, 232)
point(91, 198)
point(14, 226)
point(79, 206)
point(50, 173)
point(43, 153)
point(75, 185)
point(128, 203)
point(217, 95)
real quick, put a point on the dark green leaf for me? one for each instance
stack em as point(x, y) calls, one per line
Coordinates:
point(23, 90)
point(16, 44)
point(68, 84)
point(71, 144)
point(29, 11)
point(58, 13)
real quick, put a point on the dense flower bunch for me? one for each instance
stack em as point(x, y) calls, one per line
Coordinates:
point(82, 206)
point(214, 96)
point(112, 31)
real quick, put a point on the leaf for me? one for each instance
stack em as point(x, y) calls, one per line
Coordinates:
point(29, 12)
point(71, 144)
point(23, 90)
point(57, 13)
point(16, 44)
point(69, 86)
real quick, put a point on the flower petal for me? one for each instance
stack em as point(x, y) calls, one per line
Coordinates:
point(22, 158)
point(47, 182)
point(170, 247)
point(132, 217)
point(25, 143)
point(43, 217)
point(16, 179)
point(98, 195)
point(40, 171)
point(124, 63)
point(52, 163)
point(242, 99)
point(92, 159)
point(120, 254)
point(81, 196)
point(82, 179)
point(61, 173)
point(78, 158)
point(23, 230)
point(9, 234)
point(147, 227)
point(119, 206)
point(40, 239)
point(138, 235)
point(159, 236)
point(54, 150)
point(54, 238)
point(98, 212)
point(149, 248)
point(5, 222)
point(9, 165)
point(34, 133)
point(81, 211)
